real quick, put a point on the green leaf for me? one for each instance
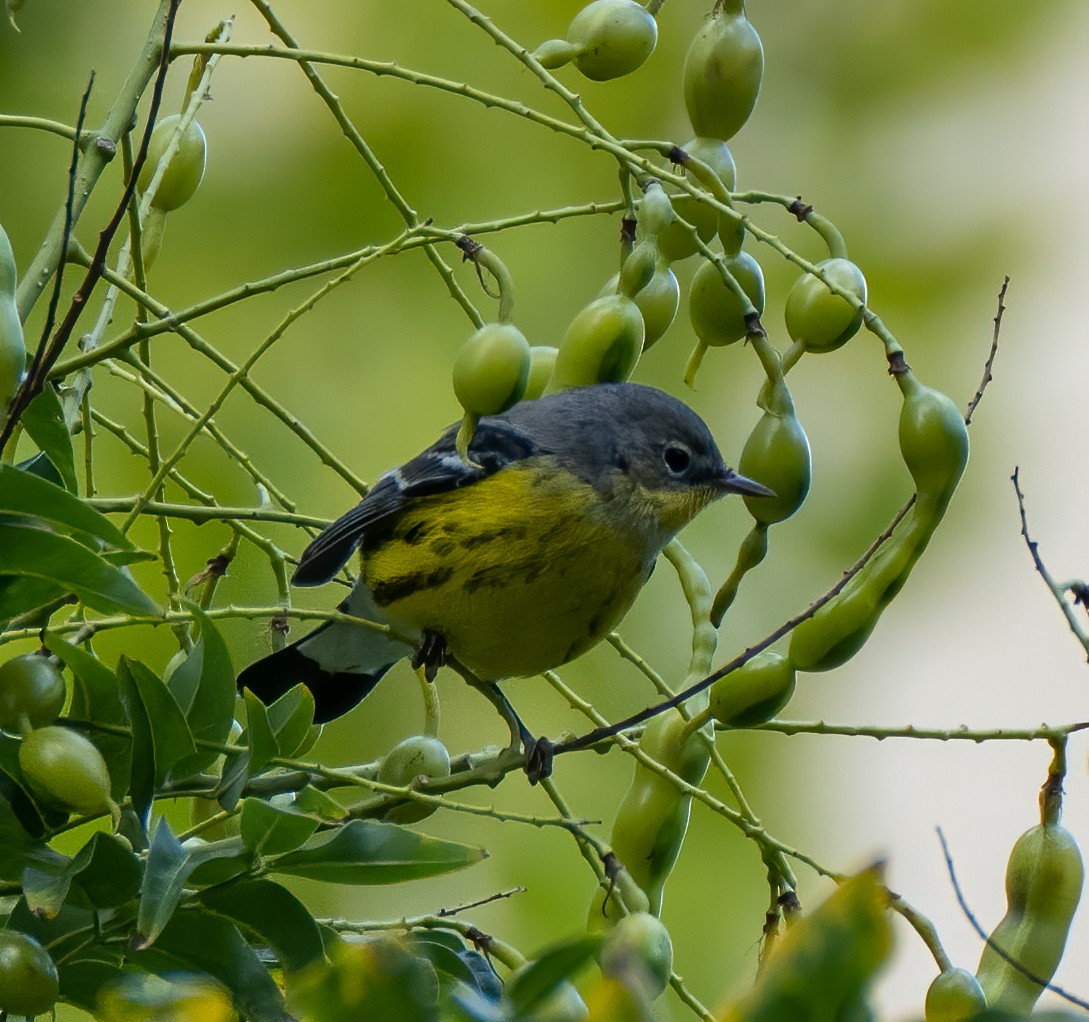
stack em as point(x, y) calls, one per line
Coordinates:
point(553, 967)
point(24, 493)
point(271, 830)
point(82, 978)
point(20, 594)
point(444, 951)
point(44, 423)
point(275, 915)
point(196, 940)
point(291, 718)
point(40, 465)
point(169, 866)
point(368, 852)
point(107, 871)
point(204, 687)
point(233, 781)
point(169, 728)
point(38, 553)
point(96, 698)
point(259, 735)
point(141, 785)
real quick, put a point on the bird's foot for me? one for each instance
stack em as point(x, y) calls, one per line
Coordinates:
point(430, 654)
point(538, 758)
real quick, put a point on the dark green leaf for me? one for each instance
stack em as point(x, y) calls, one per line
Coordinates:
point(558, 964)
point(291, 718)
point(484, 977)
point(467, 1004)
point(96, 698)
point(28, 550)
point(368, 852)
point(27, 494)
point(272, 830)
point(447, 960)
point(201, 941)
point(20, 594)
point(169, 728)
point(261, 740)
point(107, 871)
point(44, 423)
point(82, 978)
point(274, 914)
point(142, 778)
point(41, 466)
point(235, 777)
point(169, 867)
point(204, 688)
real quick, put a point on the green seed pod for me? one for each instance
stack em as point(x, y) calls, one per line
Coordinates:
point(186, 168)
point(602, 344)
point(491, 369)
point(554, 53)
point(755, 692)
point(675, 242)
point(1044, 879)
point(954, 996)
point(655, 210)
point(32, 693)
point(717, 315)
point(933, 440)
point(652, 818)
point(658, 301)
point(28, 978)
point(841, 627)
point(542, 361)
point(777, 453)
point(722, 72)
point(12, 348)
point(613, 38)
point(639, 948)
point(152, 232)
point(64, 768)
point(418, 756)
point(638, 268)
point(818, 318)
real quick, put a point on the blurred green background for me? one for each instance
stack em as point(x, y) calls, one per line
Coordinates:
point(949, 142)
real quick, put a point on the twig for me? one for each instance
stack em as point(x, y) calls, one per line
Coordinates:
point(1057, 591)
point(962, 733)
point(987, 377)
point(446, 913)
point(1005, 956)
point(35, 379)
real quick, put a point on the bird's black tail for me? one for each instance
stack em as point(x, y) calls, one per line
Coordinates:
point(334, 693)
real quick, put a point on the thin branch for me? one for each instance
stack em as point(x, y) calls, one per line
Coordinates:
point(987, 377)
point(1057, 591)
point(36, 378)
point(962, 733)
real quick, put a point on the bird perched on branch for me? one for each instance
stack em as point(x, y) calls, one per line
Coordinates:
point(514, 561)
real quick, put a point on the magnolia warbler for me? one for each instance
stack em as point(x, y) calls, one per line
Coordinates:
point(514, 561)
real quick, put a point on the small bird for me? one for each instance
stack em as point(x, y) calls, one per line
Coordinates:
point(513, 561)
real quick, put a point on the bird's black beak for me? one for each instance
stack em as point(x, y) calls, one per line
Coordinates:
point(730, 481)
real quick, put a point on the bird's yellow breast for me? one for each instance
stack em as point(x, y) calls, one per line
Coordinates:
point(519, 572)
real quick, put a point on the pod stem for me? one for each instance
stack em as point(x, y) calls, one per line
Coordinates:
point(1051, 794)
point(829, 232)
point(753, 549)
point(485, 259)
point(693, 366)
point(465, 435)
point(432, 706)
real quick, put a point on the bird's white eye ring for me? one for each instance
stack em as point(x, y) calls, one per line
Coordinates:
point(677, 458)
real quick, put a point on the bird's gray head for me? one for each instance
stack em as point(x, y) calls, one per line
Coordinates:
point(641, 432)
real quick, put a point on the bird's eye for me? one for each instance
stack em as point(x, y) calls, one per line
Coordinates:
point(677, 458)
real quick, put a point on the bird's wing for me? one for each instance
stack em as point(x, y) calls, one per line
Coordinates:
point(439, 469)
